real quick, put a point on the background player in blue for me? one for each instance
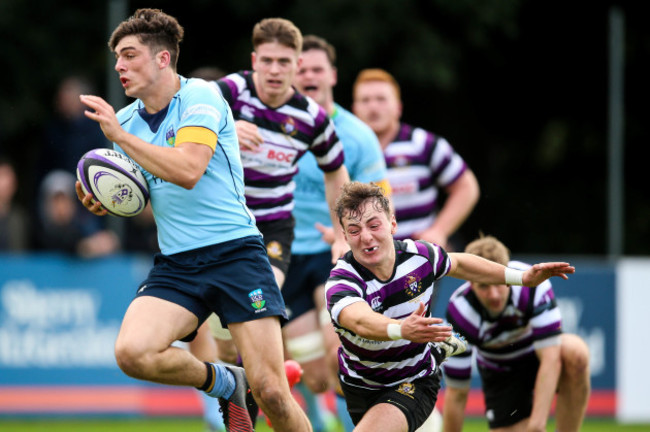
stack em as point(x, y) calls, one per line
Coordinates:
point(309, 326)
point(378, 296)
point(181, 133)
point(421, 165)
point(522, 355)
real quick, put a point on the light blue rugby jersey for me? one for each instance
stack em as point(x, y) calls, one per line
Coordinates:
point(364, 161)
point(214, 211)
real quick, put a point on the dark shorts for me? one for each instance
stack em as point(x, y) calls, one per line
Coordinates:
point(306, 273)
point(509, 394)
point(232, 279)
point(278, 236)
point(416, 400)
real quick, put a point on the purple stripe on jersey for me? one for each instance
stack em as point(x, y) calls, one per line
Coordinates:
point(406, 213)
point(422, 249)
point(457, 373)
point(467, 327)
point(524, 298)
point(442, 165)
point(404, 133)
point(256, 202)
point(334, 165)
point(378, 354)
point(272, 216)
point(399, 284)
point(379, 374)
point(233, 89)
point(547, 330)
point(252, 175)
point(459, 173)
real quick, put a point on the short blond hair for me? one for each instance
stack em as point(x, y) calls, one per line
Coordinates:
point(369, 75)
point(490, 248)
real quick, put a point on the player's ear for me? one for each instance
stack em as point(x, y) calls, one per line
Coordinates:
point(163, 58)
point(393, 224)
point(253, 58)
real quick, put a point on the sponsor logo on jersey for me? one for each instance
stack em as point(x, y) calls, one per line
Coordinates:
point(413, 285)
point(257, 300)
point(375, 303)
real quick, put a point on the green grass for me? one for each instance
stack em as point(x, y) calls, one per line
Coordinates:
point(196, 425)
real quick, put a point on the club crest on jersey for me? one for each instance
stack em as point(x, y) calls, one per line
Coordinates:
point(289, 127)
point(274, 250)
point(257, 300)
point(413, 285)
point(407, 389)
point(170, 137)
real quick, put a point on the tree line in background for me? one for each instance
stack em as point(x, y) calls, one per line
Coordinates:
point(518, 87)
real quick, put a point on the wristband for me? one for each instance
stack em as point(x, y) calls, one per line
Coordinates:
point(394, 331)
point(514, 276)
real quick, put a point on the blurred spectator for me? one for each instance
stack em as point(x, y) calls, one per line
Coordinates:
point(70, 134)
point(14, 221)
point(64, 225)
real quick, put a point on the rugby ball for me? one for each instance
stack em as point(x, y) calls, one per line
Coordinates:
point(114, 180)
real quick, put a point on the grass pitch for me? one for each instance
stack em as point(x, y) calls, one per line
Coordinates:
point(196, 425)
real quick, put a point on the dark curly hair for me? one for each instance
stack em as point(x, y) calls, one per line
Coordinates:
point(153, 28)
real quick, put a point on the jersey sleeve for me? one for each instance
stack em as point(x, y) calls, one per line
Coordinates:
point(326, 146)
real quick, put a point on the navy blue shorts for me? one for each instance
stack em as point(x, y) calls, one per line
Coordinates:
point(306, 273)
point(233, 279)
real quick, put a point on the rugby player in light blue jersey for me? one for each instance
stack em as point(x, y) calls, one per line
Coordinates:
point(378, 296)
point(309, 334)
point(522, 355)
point(181, 133)
point(421, 165)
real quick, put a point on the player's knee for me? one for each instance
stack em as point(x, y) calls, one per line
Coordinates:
point(575, 356)
point(131, 360)
point(269, 395)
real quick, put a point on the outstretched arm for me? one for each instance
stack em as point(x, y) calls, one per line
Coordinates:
point(477, 269)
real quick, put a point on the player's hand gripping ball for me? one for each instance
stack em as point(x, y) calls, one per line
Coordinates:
point(114, 180)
